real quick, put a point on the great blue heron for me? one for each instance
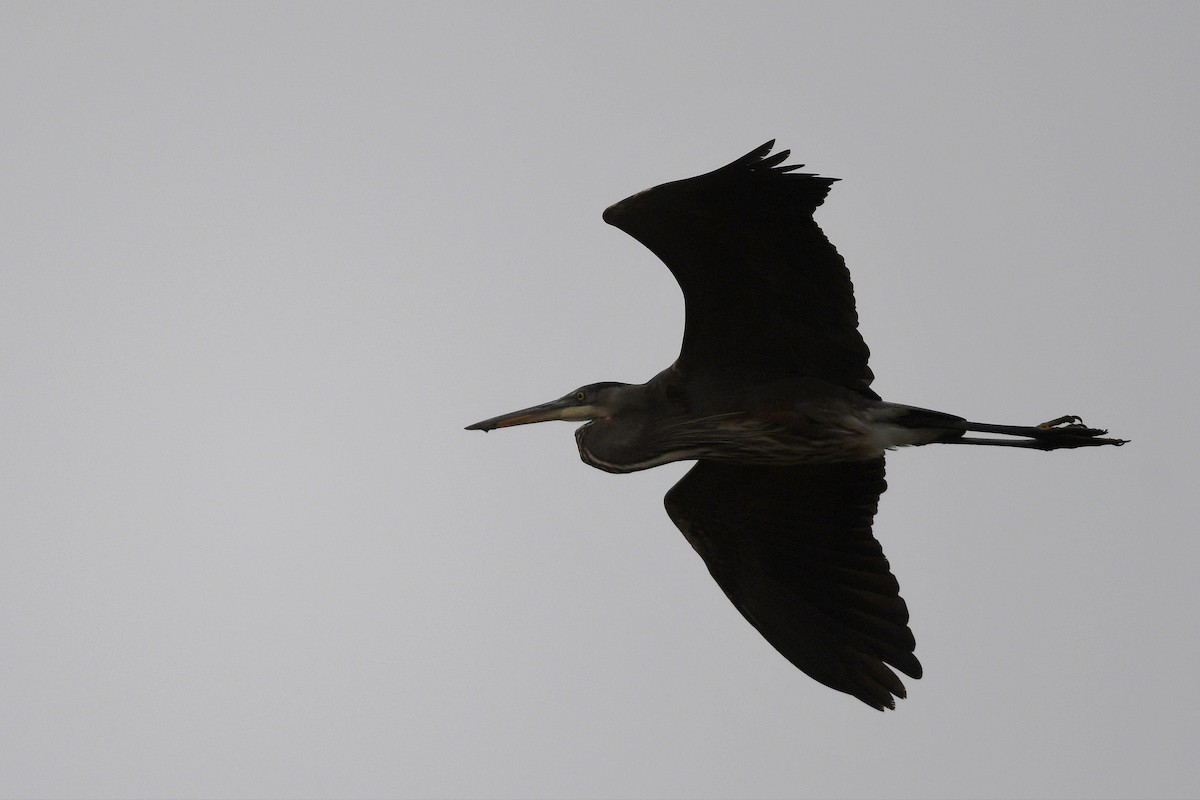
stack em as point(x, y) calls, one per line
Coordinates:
point(771, 397)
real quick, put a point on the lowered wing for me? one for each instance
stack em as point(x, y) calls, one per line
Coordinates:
point(792, 548)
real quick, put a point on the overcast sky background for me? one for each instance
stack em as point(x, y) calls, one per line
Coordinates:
point(262, 263)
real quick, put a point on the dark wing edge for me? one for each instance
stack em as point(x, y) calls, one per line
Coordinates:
point(760, 163)
point(759, 166)
point(792, 548)
point(766, 293)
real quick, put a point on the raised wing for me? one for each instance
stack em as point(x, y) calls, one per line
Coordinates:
point(792, 548)
point(766, 294)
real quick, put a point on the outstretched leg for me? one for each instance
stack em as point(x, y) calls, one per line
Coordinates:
point(1057, 434)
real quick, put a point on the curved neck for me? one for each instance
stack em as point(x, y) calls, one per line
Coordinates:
point(636, 434)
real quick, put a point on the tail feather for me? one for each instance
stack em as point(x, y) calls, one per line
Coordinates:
point(941, 426)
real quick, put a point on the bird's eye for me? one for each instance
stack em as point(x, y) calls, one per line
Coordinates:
point(580, 396)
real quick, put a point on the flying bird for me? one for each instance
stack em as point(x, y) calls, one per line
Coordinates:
point(771, 397)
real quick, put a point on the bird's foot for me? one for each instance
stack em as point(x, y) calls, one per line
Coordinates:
point(1066, 419)
point(1069, 431)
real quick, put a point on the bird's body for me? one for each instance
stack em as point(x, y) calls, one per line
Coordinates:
point(771, 395)
point(767, 425)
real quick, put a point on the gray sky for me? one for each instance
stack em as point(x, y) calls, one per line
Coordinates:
point(262, 263)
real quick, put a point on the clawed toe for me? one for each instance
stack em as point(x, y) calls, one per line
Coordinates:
point(1069, 420)
point(1069, 431)
point(1072, 425)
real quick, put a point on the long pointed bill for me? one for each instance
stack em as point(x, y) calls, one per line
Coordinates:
point(564, 408)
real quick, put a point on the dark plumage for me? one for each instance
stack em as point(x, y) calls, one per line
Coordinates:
point(733, 239)
point(771, 396)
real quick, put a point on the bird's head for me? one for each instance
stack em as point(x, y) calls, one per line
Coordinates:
point(594, 401)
